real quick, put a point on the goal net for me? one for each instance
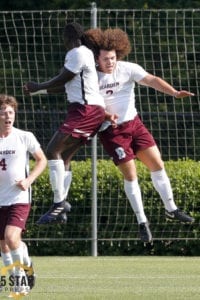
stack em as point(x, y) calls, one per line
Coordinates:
point(164, 42)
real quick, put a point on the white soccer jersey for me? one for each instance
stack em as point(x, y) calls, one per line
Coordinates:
point(83, 88)
point(117, 89)
point(14, 165)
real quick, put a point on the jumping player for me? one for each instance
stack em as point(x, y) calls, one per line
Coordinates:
point(84, 117)
point(131, 139)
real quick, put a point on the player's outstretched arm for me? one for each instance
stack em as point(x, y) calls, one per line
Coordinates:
point(56, 83)
point(162, 86)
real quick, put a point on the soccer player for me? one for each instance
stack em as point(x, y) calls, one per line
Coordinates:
point(131, 139)
point(85, 115)
point(15, 183)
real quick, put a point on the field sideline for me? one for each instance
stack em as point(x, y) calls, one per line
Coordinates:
point(113, 278)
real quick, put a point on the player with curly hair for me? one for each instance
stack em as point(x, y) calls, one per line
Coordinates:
point(130, 139)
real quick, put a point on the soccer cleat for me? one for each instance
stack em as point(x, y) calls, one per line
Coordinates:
point(31, 278)
point(20, 290)
point(145, 232)
point(179, 215)
point(57, 214)
point(21, 286)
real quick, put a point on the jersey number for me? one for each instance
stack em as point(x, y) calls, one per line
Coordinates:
point(3, 164)
point(109, 92)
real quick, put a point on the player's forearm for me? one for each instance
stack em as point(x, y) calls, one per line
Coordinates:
point(52, 83)
point(25, 183)
point(34, 88)
point(37, 170)
point(57, 81)
point(39, 167)
point(162, 86)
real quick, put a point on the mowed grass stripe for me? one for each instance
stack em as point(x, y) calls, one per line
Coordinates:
point(113, 278)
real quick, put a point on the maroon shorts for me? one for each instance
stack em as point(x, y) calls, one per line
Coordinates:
point(123, 142)
point(15, 215)
point(83, 121)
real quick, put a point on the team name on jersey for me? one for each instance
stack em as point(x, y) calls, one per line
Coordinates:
point(6, 152)
point(109, 85)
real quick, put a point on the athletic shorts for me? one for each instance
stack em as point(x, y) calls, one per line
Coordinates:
point(15, 215)
point(123, 142)
point(83, 121)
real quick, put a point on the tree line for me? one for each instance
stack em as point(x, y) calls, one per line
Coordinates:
point(84, 4)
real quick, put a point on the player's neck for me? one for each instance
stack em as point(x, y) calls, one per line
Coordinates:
point(4, 133)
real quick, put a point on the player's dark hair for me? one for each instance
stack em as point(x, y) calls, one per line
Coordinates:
point(109, 39)
point(74, 31)
point(8, 100)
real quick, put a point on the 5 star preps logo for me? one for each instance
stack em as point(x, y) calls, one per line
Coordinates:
point(12, 282)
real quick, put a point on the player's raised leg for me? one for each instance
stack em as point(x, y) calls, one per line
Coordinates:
point(60, 182)
point(162, 184)
point(61, 146)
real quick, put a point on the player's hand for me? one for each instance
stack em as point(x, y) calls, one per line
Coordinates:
point(23, 184)
point(183, 94)
point(31, 87)
point(112, 118)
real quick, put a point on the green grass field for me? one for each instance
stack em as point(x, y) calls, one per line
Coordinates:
point(113, 278)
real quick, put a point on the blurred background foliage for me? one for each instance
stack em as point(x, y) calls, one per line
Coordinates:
point(84, 4)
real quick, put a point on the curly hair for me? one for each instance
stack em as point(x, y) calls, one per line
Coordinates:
point(94, 40)
point(109, 39)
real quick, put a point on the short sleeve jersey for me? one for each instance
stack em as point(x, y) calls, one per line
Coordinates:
point(83, 88)
point(14, 165)
point(117, 89)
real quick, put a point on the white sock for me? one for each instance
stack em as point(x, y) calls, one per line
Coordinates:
point(26, 257)
point(7, 258)
point(57, 171)
point(17, 254)
point(67, 183)
point(134, 196)
point(163, 187)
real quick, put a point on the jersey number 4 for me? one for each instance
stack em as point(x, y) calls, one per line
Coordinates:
point(3, 164)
